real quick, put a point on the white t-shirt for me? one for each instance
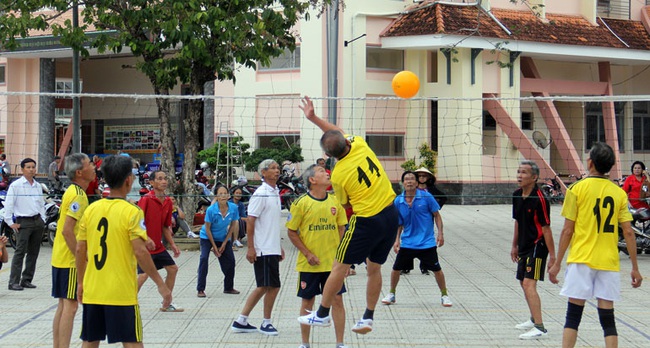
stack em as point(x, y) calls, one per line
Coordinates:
point(264, 205)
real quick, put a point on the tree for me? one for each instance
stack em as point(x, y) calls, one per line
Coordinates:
point(279, 151)
point(179, 41)
point(428, 159)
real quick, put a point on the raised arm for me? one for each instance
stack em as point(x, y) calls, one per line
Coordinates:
point(307, 107)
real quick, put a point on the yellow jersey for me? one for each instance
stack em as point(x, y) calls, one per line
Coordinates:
point(73, 204)
point(597, 206)
point(360, 180)
point(317, 222)
point(108, 226)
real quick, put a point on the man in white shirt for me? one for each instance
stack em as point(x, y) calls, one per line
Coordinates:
point(25, 214)
point(264, 249)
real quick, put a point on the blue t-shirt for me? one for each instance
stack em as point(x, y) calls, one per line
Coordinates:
point(219, 224)
point(417, 220)
point(241, 208)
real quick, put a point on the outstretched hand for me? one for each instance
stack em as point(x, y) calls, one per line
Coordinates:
point(307, 107)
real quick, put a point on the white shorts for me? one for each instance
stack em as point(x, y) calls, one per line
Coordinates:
point(584, 283)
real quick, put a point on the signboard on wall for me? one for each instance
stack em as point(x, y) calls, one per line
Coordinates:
point(141, 138)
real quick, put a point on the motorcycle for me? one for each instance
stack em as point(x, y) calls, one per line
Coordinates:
point(641, 227)
point(242, 184)
point(290, 188)
point(52, 206)
point(553, 190)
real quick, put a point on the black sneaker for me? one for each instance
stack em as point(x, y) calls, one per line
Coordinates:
point(268, 330)
point(237, 327)
point(425, 272)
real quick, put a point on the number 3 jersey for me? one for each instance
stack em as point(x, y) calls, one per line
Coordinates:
point(108, 226)
point(597, 206)
point(359, 179)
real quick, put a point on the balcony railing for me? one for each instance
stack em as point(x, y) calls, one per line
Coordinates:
point(619, 9)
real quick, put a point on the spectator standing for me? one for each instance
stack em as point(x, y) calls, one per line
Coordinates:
point(221, 223)
point(25, 203)
point(157, 209)
point(53, 175)
point(81, 172)
point(593, 207)
point(637, 185)
point(532, 243)
point(416, 237)
point(110, 245)
point(359, 180)
point(316, 225)
point(264, 248)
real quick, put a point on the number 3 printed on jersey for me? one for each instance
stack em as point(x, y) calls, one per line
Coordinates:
point(607, 207)
point(100, 260)
point(372, 169)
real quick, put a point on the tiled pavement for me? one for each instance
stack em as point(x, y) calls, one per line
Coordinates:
point(488, 301)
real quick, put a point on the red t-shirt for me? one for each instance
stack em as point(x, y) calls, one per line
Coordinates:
point(156, 216)
point(92, 187)
point(632, 186)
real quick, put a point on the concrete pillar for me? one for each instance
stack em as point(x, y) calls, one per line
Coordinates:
point(46, 114)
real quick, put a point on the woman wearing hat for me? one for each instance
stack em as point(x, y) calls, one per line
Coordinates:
point(427, 182)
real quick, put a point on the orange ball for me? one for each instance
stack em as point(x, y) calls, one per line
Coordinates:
point(405, 84)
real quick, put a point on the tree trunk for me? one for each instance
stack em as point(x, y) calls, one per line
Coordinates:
point(166, 139)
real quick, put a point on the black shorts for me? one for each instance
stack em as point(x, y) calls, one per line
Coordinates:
point(428, 259)
point(531, 266)
point(161, 260)
point(64, 283)
point(119, 323)
point(369, 237)
point(312, 284)
point(267, 271)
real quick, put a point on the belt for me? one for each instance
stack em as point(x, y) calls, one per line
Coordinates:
point(29, 217)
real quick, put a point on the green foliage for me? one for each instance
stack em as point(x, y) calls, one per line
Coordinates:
point(428, 159)
point(218, 154)
point(280, 151)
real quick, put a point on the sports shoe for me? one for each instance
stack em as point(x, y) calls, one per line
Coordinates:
point(192, 235)
point(312, 319)
point(424, 271)
point(302, 346)
point(237, 327)
point(268, 330)
point(389, 299)
point(405, 271)
point(533, 334)
point(238, 244)
point(527, 325)
point(363, 326)
point(172, 308)
point(446, 301)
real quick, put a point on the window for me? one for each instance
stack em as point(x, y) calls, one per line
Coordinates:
point(641, 126)
point(64, 86)
point(287, 60)
point(594, 126)
point(379, 58)
point(3, 79)
point(489, 123)
point(527, 120)
point(432, 63)
point(386, 145)
point(265, 141)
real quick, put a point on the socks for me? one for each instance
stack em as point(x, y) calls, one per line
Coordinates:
point(266, 322)
point(322, 312)
point(443, 292)
point(540, 327)
point(368, 314)
point(243, 319)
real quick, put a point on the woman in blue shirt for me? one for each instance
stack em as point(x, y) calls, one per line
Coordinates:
point(236, 199)
point(221, 223)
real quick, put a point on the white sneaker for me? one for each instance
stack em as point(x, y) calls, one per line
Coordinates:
point(238, 244)
point(302, 346)
point(527, 325)
point(533, 334)
point(389, 299)
point(363, 326)
point(446, 301)
point(192, 235)
point(312, 319)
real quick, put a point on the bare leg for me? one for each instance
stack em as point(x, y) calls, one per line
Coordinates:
point(66, 322)
point(307, 305)
point(253, 299)
point(532, 298)
point(93, 344)
point(570, 336)
point(440, 279)
point(133, 344)
point(334, 283)
point(338, 316)
point(394, 279)
point(170, 280)
point(269, 301)
point(373, 287)
point(142, 277)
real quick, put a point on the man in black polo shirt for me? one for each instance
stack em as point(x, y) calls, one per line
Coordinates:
point(532, 244)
